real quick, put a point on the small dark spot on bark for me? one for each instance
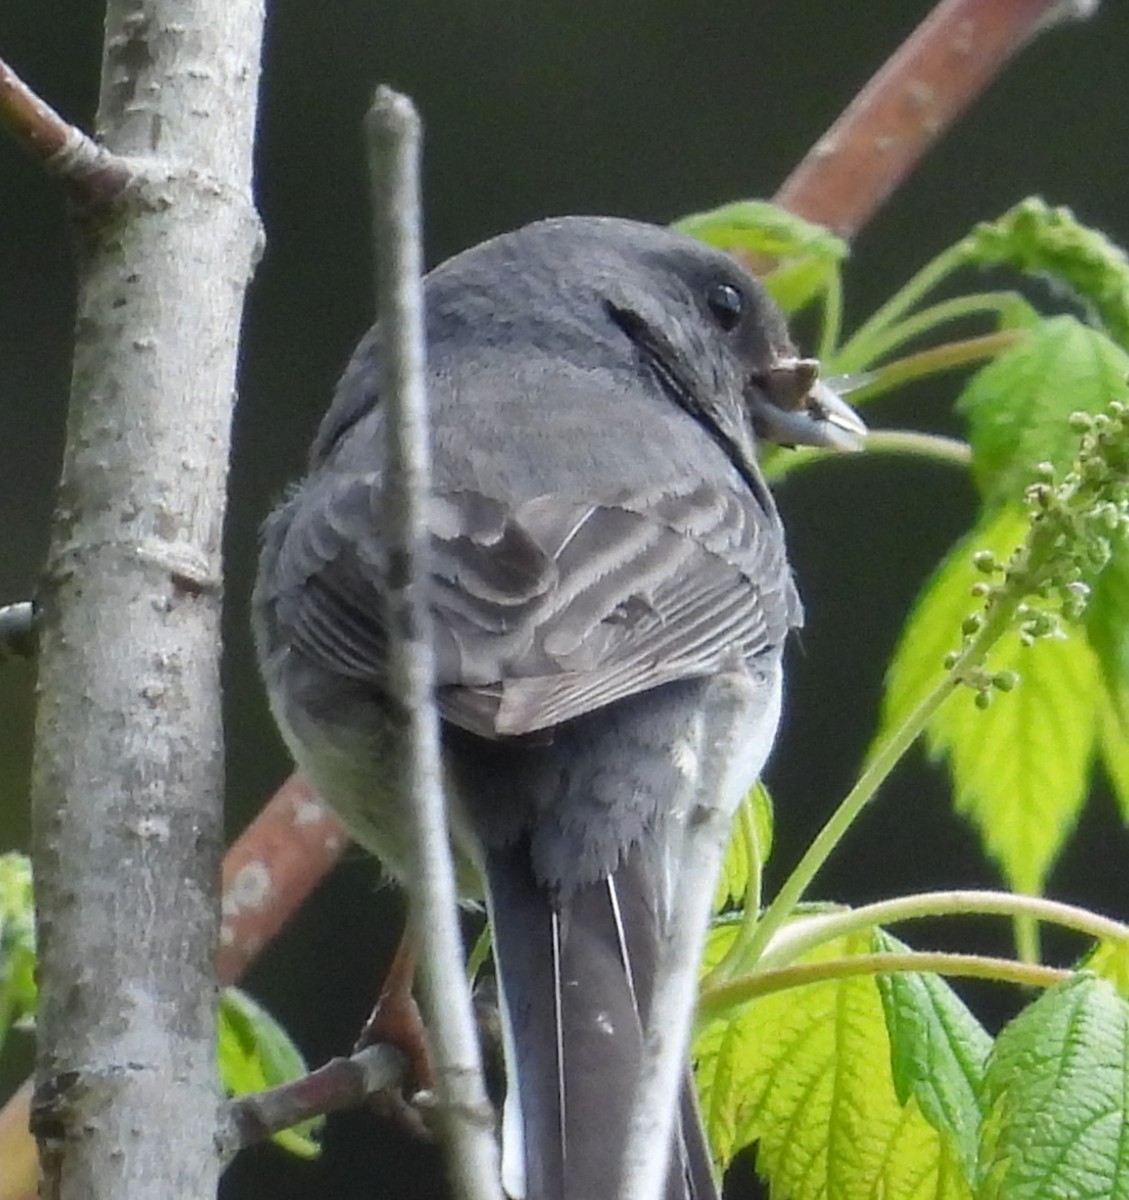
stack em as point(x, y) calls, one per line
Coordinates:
point(189, 585)
point(50, 1103)
point(132, 58)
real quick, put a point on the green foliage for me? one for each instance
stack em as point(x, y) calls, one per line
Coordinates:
point(1020, 768)
point(806, 1074)
point(807, 256)
point(937, 1054)
point(1018, 407)
point(1036, 238)
point(255, 1052)
point(1056, 1098)
point(17, 943)
point(854, 1076)
point(749, 846)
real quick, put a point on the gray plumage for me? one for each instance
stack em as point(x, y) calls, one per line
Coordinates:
point(602, 542)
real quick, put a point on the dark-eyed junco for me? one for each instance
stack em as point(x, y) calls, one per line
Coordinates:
point(603, 543)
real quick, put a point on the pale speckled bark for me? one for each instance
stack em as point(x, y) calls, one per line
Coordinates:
point(128, 763)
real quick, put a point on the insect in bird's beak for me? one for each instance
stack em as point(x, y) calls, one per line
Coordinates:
point(792, 406)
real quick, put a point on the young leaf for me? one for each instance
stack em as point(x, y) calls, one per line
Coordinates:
point(806, 1074)
point(1110, 961)
point(752, 831)
point(1038, 239)
point(1021, 769)
point(17, 942)
point(255, 1052)
point(937, 1053)
point(1055, 1091)
point(809, 255)
point(1018, 406)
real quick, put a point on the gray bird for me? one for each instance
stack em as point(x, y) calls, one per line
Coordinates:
point(603, 542)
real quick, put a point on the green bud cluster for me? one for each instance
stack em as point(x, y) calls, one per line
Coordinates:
point(1075, 520)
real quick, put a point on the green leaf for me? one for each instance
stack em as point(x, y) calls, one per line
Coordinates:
point(751, 836)
point(1018, 406)
point(1055, 1090)
point(1020, 769)
point(17, 943)
point(1110, 961)
point(255, 1052)
point(937, 1050)
point(1038, 239)
point(808, 254)
point(806, 1074)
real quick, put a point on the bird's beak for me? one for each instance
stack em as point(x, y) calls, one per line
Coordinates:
point(792, 406)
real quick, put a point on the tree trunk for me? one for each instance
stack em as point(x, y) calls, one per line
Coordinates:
point(127, 780)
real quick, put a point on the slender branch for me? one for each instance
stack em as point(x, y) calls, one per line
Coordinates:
point(807, 933)
point(913, 99)
point(933, 446)
point(727, 711)
point(341, 1083)
point(862, 350)
point(950, 356)
point(93, 175)
point(717, 1001)
point(394, 146)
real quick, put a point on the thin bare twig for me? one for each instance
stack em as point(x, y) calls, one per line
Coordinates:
point(341, 1083)
point(93, 175)
point(921, 90)
point(463, 1108)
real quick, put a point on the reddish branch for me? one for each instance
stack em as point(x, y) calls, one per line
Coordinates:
point(271, 869)
point(948, 60)
point(92, 174)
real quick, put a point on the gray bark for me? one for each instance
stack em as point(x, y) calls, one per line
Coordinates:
point(127, 777)
point(466, 1117)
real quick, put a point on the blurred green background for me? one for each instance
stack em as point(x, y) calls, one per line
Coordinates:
point(644, 110)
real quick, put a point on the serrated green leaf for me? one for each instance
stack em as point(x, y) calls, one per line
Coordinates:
point(937, 1051)
point(1021, 769)
point(1038, 239)
point(17, 943)
point(255, 1052)
point(809, 254)
point(1055, 1090)
point(751, 833)
point(806, 1074)
point(1018, 406)
point(1110, 961)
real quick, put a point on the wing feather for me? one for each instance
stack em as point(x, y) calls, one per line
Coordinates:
point(549, 610)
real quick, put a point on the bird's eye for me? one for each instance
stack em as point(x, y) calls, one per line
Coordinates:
point(725, 302)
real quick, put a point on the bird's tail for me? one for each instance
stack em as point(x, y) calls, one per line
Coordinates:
point(575, 985)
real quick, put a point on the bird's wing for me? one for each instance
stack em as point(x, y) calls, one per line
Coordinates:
point(547, 610)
